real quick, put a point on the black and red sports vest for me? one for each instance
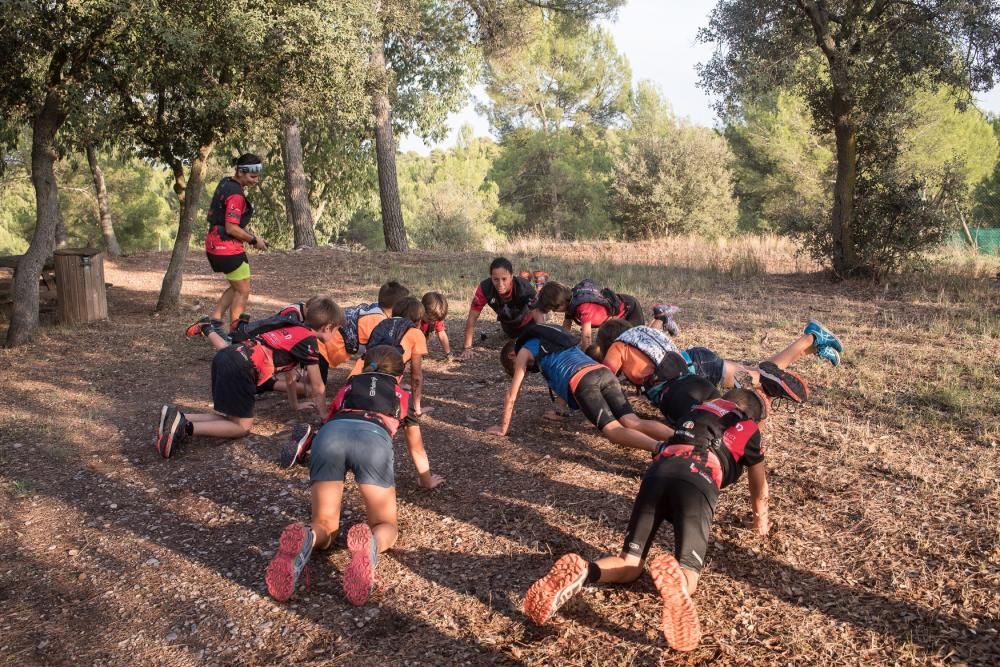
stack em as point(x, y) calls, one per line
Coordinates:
point(515, 309)
point(390, 331)
point(369, 396)
point(587, 291)
point(217, 210)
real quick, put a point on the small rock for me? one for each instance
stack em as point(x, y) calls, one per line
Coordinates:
point(172, 637)
point(74, 552)
point(18, 445)
point(153, 562)
point(113, 506)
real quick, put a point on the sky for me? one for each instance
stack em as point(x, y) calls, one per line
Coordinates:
point(659, 40)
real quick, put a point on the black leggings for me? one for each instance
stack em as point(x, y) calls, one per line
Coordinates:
point(665, 495)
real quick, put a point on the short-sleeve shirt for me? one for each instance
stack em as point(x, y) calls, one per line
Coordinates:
point(414, 343)
point(562, 370)
point(334, 350)
point(425, 326)
point(626, 359)
point(595, 313)
point(366, 323)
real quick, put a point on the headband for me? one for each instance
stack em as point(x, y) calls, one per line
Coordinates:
point(250, 168)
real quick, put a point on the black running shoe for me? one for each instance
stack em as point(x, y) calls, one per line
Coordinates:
point(779, 383)
point(171, 431)
point(297, 445)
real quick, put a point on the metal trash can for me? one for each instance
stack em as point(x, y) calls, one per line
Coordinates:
point(80, 285)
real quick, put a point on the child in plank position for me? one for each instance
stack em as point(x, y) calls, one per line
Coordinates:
point(435, 310)
point(238, 370)
point(714, 442)
point(332, 351)
point(511, 297)
point(590, 305)
point(357, 437)
point(634, 351)
point(575, 379)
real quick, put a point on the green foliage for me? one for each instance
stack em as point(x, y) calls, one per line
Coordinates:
point(554, 184)
point(445, 197)
point(671, 177)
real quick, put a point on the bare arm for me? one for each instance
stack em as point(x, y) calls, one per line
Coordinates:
point(520, 366)
point(470, 328)
point(245, 235)
point(442, 337)
point(415, 445)
point(317, 390)
point(585, 330)
point(416, 380)
point(292, 390)
point(757, 477)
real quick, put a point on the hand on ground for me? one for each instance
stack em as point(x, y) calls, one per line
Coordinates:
point(554, 416)
point(306, 405)
point(466, 354)
point(495, 430)
point(435, 482)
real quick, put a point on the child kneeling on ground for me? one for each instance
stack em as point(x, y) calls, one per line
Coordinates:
point(239, 370)
point(357, 436)
point(715, 441)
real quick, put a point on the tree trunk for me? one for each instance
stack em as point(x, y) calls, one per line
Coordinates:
point(845, 258)
point(385, 157)
point(44, 127)
point(189, 194)
point(296, 187)
point(103, 210)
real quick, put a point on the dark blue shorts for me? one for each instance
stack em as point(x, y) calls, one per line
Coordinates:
point(707, 364)
point(357, 445)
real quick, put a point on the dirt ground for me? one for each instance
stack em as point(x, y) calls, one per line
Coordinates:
point(885, 491)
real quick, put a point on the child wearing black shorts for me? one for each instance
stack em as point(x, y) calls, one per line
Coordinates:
point(578, 382)
point(356, 437)
point(714, 442)
point(238, 370)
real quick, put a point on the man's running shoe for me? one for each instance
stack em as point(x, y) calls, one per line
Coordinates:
point(296, 447)
point(564, 580)
point(822, 337)
point(827, 352)
point(679, 618)
point(203, 327)
point(294, 548)
point(665, 313)
point(779, 383)
point(524, 274)
point(171, 430)
point(359, 577)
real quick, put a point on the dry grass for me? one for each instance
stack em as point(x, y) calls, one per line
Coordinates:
point(885, 486)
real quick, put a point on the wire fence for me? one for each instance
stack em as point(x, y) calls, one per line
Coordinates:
point(979, 226)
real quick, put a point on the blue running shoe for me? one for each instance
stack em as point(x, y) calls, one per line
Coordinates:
point(827, 352)
point(822, 337)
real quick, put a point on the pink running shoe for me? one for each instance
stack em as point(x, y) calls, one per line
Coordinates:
point(359, 577)
point(681, 627)
point(294, 548)
point(564, 580)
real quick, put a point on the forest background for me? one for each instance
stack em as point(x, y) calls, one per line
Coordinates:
point(139, 110)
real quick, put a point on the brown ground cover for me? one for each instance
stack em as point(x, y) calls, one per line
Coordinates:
point(885, 487)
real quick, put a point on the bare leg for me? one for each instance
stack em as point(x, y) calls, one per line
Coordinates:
point(326, 501)
point(217, 341)
point(622, 569)
point(241, 294)
point(798, 349)
point(734, 373)
point(380, 508)
point(221, 427)
point(224, 303)
point(653, 429)
point(627, 437)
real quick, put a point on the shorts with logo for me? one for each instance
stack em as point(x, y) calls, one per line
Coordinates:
point(361, 446)
point(600, 397)
point(665, 494)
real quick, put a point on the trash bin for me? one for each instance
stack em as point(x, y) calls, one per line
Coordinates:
point(80, 285)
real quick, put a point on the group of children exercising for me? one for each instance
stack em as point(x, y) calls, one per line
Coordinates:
point(709, 433)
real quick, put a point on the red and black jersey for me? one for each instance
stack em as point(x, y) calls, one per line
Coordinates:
point(229, 205)
point(375, 397)
point(715, 441)
point(279, 350)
